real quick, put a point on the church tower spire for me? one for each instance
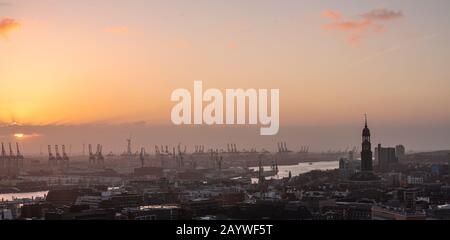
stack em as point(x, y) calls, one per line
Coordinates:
point(365, 118)
point(366, 146)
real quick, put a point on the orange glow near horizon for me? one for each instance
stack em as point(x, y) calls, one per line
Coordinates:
point(67, 69)
point(19, 135)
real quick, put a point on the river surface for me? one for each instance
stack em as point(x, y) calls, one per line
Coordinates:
point(283, 171)
point(29, 195)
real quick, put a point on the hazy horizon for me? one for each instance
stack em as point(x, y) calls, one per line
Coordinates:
point(318, 138)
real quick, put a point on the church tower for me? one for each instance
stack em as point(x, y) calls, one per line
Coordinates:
point(366, 152)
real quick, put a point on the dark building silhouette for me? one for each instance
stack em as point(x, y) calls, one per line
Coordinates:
point(448, 161)
point(366, 175)
point(366, 150)
point(400, 151)
point(386, 157)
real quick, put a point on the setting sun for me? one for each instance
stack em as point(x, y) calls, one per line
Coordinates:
point(19, 135)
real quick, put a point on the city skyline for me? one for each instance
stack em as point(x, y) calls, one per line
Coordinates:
point(318, 139)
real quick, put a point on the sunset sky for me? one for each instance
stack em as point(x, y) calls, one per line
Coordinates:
point(79, 63)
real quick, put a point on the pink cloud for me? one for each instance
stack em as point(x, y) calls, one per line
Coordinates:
point(7, 25)
point(372, 22)
point(349, 25)
point(382, 14)
point(334, 15)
